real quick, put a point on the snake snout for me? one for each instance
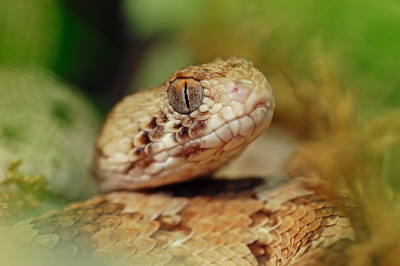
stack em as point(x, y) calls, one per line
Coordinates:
point(266, 100)
point(262, 96)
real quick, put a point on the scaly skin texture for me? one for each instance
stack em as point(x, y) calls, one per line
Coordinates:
point(146, 142)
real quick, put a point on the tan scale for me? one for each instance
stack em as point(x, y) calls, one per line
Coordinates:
point(172, 133)
point(147, 141)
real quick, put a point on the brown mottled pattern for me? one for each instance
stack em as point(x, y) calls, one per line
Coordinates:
point(146, 142)
point(284, 225)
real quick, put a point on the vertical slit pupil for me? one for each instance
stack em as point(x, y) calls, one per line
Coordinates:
point(186, 96)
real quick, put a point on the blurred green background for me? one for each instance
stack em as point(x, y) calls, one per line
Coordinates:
point(64, 63)
point(106, 47)
point(102, 50)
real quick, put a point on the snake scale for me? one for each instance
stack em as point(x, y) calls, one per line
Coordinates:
point(199, 119)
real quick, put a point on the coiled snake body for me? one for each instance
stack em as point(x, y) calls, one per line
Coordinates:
point(197, 121)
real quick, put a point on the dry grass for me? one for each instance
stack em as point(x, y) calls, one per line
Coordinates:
point(339, 152)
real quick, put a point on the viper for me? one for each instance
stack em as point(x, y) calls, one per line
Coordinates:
point(153, 143)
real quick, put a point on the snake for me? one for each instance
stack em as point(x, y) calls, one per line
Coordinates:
point(160, 204)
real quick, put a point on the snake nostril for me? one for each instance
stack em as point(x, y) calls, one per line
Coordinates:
point(260, 104)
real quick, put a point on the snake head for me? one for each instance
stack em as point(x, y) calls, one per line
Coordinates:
point(198, 120)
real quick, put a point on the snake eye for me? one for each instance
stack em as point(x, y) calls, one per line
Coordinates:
point(185, 95)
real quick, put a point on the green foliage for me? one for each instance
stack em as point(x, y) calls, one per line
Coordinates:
point(50, 126)
point(29, 32)
point(20, 192)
